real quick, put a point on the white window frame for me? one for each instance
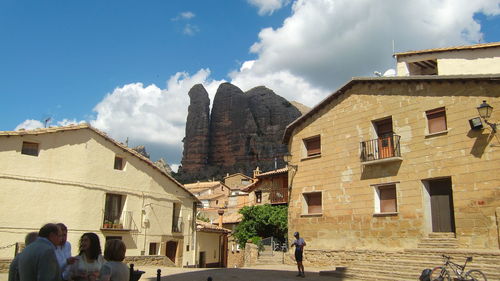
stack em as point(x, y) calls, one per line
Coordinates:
point(376, 197)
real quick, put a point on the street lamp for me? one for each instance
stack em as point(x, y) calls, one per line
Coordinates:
point(485, 111)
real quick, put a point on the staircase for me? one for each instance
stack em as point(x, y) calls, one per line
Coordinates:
point(408, 264)
point(442, 240)
point(268, 257)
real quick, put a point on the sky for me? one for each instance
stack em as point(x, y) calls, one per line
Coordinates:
point(126, 66)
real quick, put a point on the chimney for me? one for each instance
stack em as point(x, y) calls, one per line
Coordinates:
point(256, 172)
point(221, 214)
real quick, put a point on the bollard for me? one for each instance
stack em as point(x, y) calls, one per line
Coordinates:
point(131, 270)
point(158, 275)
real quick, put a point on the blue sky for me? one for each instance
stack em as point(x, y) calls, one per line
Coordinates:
point(126, 66)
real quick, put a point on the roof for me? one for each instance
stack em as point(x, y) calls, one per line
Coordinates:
point(447, 49)
point(358, 80)
point(211, 196)
point(83, 126)
point(273, 173)
point(237, 174)
point(208, 227)
point(204, 185)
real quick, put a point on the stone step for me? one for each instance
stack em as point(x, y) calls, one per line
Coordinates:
point(442, 235)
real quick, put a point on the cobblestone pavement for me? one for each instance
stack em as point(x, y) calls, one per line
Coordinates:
point(255, 273)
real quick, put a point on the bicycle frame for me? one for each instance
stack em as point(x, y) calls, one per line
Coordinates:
point(459, 270)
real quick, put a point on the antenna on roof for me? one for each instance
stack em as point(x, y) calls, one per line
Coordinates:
point(46, 121)
point(126, 142)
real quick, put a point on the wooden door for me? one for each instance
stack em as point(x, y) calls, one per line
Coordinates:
point(171, 250)
point(223, 251)
point(443, 219)
point(385, 143)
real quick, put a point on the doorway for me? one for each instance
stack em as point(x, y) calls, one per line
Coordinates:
point(171, 250)
point(202, 260)
point(385, 143)
point(441, 205)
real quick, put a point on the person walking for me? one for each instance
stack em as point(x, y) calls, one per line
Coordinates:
point(38, 261)
point(299, 244)
point(14, 266)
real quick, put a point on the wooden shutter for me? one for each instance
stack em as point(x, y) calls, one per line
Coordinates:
point(437, 120)
point(314, 203)
point(388, 199)
point(30, 148)
point(313, 146)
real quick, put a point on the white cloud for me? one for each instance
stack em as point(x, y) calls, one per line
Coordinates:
point(29, 124)
point(187, 15)
point(67, 122)
point(267, 7)
point(190, 29)
point(326, 42)
point(151, 116)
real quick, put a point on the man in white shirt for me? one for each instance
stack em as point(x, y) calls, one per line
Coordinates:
point(63, 250)
point(299, 244)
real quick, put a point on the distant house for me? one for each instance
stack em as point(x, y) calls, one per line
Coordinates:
point(237, 197)
point(391, 163)
point(80, 176)
point(213, 195)
point(212, 245)
point(269, 188)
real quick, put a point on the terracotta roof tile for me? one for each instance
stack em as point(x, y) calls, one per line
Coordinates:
point(447, 49)
point(208, 227)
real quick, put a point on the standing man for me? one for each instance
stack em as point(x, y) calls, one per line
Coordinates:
point(14, 266)
point(38, 261)
point(299, 244)
point(63, 251)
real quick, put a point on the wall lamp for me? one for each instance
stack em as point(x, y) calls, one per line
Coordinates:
point(485, 111)
point(287, 157)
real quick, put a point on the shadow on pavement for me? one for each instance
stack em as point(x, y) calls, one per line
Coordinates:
point(242, 274)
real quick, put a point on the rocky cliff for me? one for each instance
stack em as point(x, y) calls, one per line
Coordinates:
point(243, 131)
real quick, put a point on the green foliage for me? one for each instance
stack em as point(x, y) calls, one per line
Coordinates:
point(202, 218)
point(262, 221)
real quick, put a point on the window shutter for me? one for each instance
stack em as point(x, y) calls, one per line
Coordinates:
point(314, 203)
point(388, 200)
point(313, 146)
point(437, 120)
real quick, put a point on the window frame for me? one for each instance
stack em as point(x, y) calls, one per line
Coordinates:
point(436, 118)
point(155, 248)
point(258, 196)
point(31, 151)
point(306, 208)
point(310, 152)
point(379, 200)
point(122, 164)
point(110, 213)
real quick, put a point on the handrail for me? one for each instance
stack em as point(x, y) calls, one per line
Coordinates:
point(380, 148)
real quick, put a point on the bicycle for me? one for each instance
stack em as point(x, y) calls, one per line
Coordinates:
point(441, 273)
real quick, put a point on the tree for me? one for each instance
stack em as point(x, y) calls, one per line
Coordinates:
point(262, 221)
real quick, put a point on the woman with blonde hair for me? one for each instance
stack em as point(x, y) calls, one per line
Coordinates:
point(114, 269)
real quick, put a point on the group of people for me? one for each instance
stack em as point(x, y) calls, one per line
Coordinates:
point(47, 256)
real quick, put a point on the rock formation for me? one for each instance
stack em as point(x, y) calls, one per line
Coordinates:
point(243, 131)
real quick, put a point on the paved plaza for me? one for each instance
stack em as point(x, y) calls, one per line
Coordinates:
point(256, 273)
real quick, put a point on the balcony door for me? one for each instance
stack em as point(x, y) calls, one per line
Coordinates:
point(384, 133)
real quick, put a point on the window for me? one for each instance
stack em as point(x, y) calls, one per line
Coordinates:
point(113, 208)
point(187, 248)
point(385, 199)
point(30, 148)
point(119, 163)
point(313, 203)
point(436, 119)
point(153, 249)
point(313, 146)
point(425, 67)
point(258, 196)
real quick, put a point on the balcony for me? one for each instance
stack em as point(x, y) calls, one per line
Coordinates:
point(125, 222)
point(383, 149)
point(279, 195)
point(177, 225)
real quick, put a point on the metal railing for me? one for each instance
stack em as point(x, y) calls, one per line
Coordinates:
point(177, 224)
point(279, 195)
point(124, 222)
point(381, 148)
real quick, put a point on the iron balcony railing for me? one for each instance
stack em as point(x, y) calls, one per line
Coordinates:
point(381, 148)
point(279, 195)
point(177, 224)
point(123, 222)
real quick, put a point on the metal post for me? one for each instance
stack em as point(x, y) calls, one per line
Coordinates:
point(158, 275)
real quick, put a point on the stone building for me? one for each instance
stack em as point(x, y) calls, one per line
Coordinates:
point(384, 163)
point(211, 245)
point(81, 177)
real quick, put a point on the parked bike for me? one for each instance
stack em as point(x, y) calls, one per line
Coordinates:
point(442, 273)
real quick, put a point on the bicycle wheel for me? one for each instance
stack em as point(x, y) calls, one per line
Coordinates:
point(440, 274)
point(475, 275)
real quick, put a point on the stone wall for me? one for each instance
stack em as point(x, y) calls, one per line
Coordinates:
point(149, 261)
point(4, 265)
point(251, 254)
point(236, 259)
